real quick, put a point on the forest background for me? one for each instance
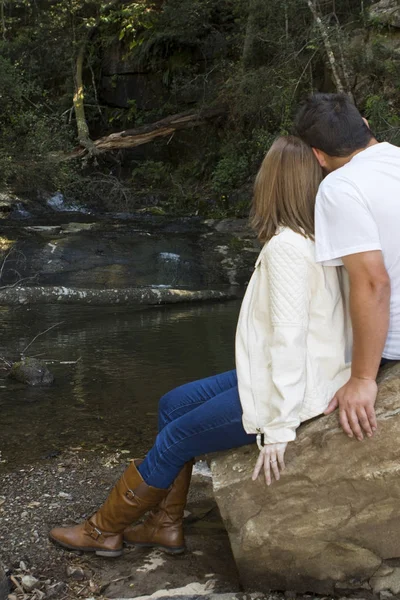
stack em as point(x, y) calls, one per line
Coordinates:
point(224, 77)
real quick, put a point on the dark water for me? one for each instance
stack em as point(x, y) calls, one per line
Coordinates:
point(127, 360)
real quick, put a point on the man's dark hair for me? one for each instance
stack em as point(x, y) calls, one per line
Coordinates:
point(332, 123)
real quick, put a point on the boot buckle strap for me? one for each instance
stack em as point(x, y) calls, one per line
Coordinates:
point(93, 531)
point(130, 494)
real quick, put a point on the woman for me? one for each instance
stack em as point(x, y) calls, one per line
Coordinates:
point(290, 359)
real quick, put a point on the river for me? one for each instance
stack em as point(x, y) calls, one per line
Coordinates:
point(126, 359)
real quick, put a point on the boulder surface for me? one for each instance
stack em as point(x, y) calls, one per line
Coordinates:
point(332, 522)
point(386, 12)
point(31, 371)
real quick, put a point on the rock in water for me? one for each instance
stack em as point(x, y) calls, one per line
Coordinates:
point(332, 520)
point(32, 372)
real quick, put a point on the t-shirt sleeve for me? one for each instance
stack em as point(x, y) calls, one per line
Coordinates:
point(343, 223)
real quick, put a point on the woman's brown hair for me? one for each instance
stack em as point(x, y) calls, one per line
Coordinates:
point(285, 189)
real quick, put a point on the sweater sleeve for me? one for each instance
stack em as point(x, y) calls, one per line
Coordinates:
point(289, 289)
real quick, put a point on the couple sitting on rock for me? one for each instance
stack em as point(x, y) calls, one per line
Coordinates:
point(325, 291)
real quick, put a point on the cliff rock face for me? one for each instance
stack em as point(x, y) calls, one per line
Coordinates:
point(126, 79)
point(333, 520)
point(386, 12)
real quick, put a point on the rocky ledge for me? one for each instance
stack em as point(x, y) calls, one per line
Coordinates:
point(332, 523)
point(386, 12)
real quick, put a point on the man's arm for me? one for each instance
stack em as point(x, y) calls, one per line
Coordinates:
point(369, 309)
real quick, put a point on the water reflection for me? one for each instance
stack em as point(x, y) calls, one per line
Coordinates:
point(126, 360)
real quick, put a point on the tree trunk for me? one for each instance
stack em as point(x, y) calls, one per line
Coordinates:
point(79, 95)
point(328, 48)
point(17, 296)
point(256, 26)
point(249, 38)
point(130, 138)
point(78, 100)
point(3, 19)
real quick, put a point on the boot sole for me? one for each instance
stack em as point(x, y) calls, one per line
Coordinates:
point(98, 551)
point(166, 549)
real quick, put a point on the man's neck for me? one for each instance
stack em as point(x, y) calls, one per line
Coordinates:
point(372, 142)
point(341, 161)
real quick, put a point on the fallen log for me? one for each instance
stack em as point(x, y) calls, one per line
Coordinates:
point(127, 296)
point(130, 138)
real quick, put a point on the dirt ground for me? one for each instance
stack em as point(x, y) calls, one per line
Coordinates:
point(66, 489)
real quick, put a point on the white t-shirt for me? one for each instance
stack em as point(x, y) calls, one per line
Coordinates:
point(357, 210)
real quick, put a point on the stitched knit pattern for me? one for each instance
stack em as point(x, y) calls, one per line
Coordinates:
point(289, 283)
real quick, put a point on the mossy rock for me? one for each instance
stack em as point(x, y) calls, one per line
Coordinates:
point(386, 12)
point(156, 211)
point(32, 372)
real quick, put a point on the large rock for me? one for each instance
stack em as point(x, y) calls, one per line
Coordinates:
point(141, 251)
point(333, 520)
point(31, 371)
point(386, 12)
point(146, 89)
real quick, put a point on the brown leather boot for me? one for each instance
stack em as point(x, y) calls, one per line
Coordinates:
point(129, 499)
point(164, 526)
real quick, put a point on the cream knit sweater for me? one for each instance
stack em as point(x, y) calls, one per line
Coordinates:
point(293, 340)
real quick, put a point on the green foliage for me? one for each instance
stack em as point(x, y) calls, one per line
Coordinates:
point(182, 24)
point(121, 117)
point(97, 189)
point(257, 58)
point(236, 245)
point(384, 122)
point(240, 158)
point(152, 174)
point(29, 132)
point(378, 95)
point(229, 173)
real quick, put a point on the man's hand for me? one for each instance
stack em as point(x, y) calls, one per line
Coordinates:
point(356, 401)
point(370, 312)
point(271, 458)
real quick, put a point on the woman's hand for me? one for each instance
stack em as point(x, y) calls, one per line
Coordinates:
point(271, 458)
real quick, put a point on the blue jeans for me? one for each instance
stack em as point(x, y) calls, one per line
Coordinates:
point(195, 418)
point(386, 361)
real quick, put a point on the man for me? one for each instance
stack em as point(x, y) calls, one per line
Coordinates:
point(357, 224)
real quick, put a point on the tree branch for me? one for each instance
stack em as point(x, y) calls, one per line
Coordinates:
point(3, 19)
point(328, 47)
point(130, 138)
